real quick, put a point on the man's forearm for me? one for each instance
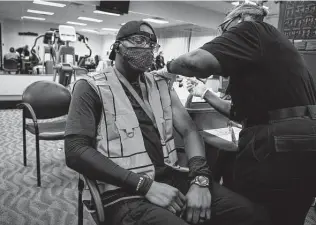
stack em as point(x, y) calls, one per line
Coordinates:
point(222, 106)
point(193, 144)
point(197, 162)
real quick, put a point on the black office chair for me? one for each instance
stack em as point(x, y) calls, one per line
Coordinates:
point(11, 65)
point(44, 100)
point(94, 203)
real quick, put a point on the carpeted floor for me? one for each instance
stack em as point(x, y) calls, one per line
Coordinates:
point(55, 203)
point(21, 201)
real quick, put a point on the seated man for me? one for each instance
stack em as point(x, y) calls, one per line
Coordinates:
point(23, 51)
point(12, 55)
point(119, 132)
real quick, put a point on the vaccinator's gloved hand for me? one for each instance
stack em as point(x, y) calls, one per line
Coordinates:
point(196, 88)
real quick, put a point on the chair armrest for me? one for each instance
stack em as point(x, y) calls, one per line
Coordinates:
point(95, 193)
point(26, 106)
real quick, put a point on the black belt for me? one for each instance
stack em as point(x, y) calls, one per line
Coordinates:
point(285, 113)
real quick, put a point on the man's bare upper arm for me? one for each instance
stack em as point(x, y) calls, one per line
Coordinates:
point(205, 62)
point(199, 63)
point(182, 121)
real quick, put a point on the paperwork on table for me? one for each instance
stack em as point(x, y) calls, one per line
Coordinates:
point(225, 133)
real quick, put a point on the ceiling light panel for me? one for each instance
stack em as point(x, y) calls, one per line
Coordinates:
point(40, 12)
point(90, 31)
point(76, 23)
point(32, 18)
point(90, 19)
point(106, 13)
point(110, 29)
point(153, 20)
point(60, 5)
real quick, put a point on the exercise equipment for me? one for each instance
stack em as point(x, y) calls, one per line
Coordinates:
point(46, 66)
point(64, 69)
point(59, 49)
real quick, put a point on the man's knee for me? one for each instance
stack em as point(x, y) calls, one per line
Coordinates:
point(159, 216)
point(253, 214)
point(260, 215)
point(230, 207)
point(144, 212)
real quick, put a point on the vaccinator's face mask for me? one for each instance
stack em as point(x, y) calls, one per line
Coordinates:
point(223, 27)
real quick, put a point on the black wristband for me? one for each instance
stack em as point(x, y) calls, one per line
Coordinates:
point(143, 185)
point(198, 167)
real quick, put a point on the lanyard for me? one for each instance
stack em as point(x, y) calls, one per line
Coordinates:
point(143, 103)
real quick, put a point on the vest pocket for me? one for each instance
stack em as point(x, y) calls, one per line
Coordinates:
point(130, 136)
point(112, 132)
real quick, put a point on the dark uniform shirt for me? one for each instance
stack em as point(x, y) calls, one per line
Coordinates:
point(266, 71)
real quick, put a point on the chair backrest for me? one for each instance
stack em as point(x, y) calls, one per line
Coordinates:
point(48, 99)
point(10, 64)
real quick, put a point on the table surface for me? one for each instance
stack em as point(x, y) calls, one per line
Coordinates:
point(219, 139)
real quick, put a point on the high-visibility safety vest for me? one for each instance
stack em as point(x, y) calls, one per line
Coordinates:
point(119, 136)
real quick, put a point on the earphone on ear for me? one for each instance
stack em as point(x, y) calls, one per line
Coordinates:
point(116, 45)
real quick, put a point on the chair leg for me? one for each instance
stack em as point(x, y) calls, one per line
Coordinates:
point(80, 203)
point(38, 162)
point(24, 140)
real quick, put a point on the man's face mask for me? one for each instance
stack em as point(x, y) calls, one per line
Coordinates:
point(141, 56)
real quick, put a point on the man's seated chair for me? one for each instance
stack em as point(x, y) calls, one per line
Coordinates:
point(89, 196)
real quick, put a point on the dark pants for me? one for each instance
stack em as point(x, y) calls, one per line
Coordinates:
point(223, 168)
point(228, 208)
point(275, 167)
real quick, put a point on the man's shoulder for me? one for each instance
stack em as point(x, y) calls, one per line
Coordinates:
point(100, 75)
point(92, 80)
point(82, 88)
point(254, 25)
point(82, 85)
point(244, 26)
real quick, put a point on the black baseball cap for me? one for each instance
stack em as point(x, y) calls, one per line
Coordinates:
point(132, 28)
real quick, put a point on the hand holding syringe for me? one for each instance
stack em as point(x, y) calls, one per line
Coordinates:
point(196, 87)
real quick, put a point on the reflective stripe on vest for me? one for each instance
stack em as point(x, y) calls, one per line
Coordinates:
point(158, 91)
